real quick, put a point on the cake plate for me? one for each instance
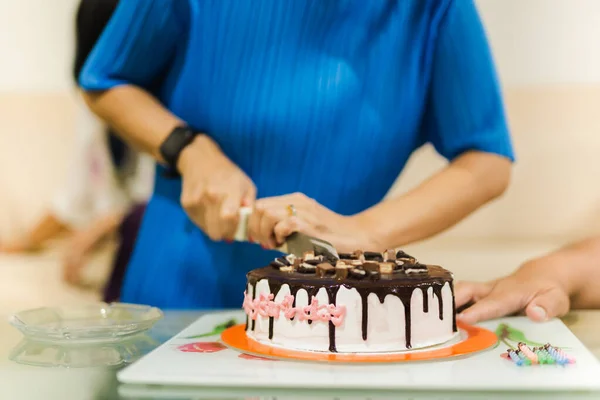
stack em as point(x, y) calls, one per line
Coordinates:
point(196, 357)
point(471, 339)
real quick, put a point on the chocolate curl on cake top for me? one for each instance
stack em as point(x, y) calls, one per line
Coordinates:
point(356, 265)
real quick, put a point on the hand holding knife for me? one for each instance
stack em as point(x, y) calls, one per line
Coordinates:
point(297, 243)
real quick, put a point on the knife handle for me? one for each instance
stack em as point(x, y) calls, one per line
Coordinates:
point(241, 233)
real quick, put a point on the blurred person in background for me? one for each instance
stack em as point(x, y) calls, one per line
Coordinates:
point(312, 107)
point(542, 288)
point(107, 183)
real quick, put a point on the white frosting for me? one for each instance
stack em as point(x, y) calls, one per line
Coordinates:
point(385, 328)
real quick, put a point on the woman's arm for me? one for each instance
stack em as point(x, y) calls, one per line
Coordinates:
point(134, 52)
point(469, 182)
point(464, 120)
point(138, 117)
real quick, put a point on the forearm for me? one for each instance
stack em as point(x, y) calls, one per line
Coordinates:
point(577, 268)
point(136, 115)
point(467, 183)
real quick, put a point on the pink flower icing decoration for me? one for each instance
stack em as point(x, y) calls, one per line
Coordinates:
point(265, 306)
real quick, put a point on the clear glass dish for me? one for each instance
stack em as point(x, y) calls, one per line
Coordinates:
point(116, 354)
point(86, 324)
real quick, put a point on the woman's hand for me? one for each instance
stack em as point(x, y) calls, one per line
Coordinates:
point(271, 223)
point(532, 289)
point(214, 188)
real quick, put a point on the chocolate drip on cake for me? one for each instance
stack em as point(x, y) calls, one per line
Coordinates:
point(407, 319)
point(454, 329)
point(294, 292)
point(253, 284)
point(437, 290)
point(274, 287)
point(425, 299)
point(312, 291)
point(332, 294)
point(364, 297)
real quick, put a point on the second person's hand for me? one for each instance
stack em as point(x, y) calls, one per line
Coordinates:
point(213, 188)
point(533, 290)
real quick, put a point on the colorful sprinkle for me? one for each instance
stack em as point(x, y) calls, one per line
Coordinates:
point(561, 360)
point(542, 358)
point(528, 353)
point(561, 353)
point(523, 357)
point(513, 356)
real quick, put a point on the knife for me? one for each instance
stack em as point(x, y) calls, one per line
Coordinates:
point(297, 243)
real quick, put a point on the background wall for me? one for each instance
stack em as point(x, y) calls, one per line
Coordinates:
point(36, 45)
point(535, 42)
point(549, 64)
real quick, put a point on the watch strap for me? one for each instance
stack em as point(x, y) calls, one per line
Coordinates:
point(172, 147)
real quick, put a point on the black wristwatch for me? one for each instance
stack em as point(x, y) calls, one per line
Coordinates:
point(172, 147)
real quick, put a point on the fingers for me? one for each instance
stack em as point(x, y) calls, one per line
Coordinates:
point(226, 215)
point(499, 302)
point(262, 223)
point(290, 225)
point(249, 196)
point(551, 303)
point(215, 209)
point(270, 223)
point(213, 216)
point(465, 292)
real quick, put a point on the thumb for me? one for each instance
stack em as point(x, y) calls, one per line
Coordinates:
point(497, 304)
point(548, 304)
point(230, 208)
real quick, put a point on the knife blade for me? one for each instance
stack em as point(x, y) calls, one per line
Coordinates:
point(297, 243)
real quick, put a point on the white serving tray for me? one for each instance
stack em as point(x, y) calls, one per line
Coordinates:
point(485, 371)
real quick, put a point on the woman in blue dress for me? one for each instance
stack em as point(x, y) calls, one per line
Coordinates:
point(316, 104)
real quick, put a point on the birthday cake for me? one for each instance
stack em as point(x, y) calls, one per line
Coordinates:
point(364, 302)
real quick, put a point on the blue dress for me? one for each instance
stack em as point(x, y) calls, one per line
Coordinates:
point(328, 98)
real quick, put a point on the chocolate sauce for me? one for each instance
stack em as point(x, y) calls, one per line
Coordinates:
point(407, 322)
point(425, 299)
point(437, 290)
point(274, 287)
point(400, 285)
point(364, 295)
point(332, 294)
point(454, 329)
point(253, 284)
